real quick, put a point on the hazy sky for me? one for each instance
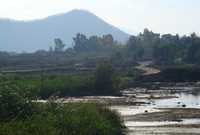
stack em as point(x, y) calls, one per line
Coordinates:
point(164, 16)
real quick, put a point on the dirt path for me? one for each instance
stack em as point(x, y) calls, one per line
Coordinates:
point(147, 70)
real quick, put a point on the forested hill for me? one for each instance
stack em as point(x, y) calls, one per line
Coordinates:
point(39, 34)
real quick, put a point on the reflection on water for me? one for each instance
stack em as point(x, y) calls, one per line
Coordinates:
point(180, 100)
point(133, 110)
point(183, 100)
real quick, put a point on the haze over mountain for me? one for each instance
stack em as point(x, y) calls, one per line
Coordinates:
point(39, 34)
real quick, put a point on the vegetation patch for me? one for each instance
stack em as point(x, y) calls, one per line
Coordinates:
point(20, 116)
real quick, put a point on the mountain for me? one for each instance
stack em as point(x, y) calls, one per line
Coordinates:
point(39, 34)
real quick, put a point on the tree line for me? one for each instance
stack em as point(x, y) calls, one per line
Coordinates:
point(164, 50)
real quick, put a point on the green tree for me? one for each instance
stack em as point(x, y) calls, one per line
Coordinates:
point(193, 54)
point(80, 42)
point(165, 54)
point(134, 49)
point(103, 78)
point(148, 40)
point(108, 39)
point(13, 103)
point(59, 45)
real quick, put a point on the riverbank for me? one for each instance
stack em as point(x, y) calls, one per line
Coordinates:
point(172, 110)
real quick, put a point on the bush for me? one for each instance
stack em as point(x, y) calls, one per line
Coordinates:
point(102, 83)
point(19, 115)
point(13, 104)
point(104, 79)
point(69, 119)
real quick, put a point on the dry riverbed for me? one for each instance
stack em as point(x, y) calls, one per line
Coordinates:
point(171, 109)
point(166, 113)
point(154, 112)
point(169, 121)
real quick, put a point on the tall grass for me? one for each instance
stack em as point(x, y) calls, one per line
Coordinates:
point(20, 116)
point(54, 85)
point(68, 119)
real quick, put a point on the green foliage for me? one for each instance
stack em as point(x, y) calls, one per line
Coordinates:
point(59, 45)
point(67, 86)
point(66, 119)
point(135, 50)
point(166, 54)
point(173, 49)
point(36, 86)
point(14, 103)
point(193, 54)
point(181, 73)
point(20, 115)
point(164, 50)
point(178, 73)
point(96, 44)
point(103, 79)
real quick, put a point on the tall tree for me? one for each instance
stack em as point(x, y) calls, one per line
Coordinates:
point(59, 45)
point(103, 78)
point(81, 43)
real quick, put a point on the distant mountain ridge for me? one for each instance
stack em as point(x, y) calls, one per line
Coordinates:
point(39, 34)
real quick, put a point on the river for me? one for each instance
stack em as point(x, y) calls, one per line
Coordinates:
point(171, 110)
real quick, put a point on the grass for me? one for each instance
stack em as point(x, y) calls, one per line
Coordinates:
point(56, 85)
point(66, 119)
point(19, 115)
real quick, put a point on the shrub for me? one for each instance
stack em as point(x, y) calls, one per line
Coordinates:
point(69, 119)
point(13, 104)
